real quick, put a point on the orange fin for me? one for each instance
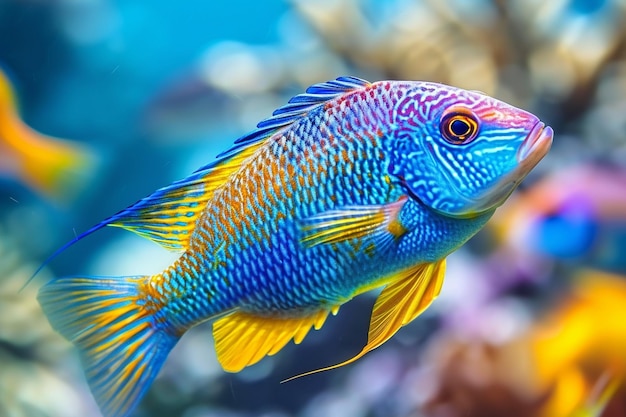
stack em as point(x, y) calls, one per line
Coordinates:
point(242, 339)
point(397, 305)
point(55, 168)
point(333, 226)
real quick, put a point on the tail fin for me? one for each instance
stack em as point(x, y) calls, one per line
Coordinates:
point(121, 345)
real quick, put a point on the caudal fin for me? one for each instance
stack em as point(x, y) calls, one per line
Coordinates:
point(121, 345)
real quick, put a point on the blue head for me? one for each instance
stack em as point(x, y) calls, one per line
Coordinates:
point(460, 152)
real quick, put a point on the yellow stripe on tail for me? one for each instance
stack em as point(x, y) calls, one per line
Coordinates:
point(121, 345)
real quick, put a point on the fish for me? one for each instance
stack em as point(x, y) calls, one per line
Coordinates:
point(349, 187)
point(54, 168)
point(585, 201)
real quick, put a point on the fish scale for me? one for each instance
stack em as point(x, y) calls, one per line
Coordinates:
point(348, 187)
point(284, 296)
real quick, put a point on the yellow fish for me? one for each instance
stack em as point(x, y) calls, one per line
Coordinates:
point(52, 167)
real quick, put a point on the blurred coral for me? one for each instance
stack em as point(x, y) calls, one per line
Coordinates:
point(29, 348)
point(550, 370)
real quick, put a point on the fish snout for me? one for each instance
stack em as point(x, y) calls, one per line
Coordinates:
point(536, 145)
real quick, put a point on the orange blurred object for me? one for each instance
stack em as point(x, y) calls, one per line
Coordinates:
point(53, 167)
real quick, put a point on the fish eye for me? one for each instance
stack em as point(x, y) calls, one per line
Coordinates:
point(459, 126)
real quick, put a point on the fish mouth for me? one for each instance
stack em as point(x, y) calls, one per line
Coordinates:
point(532, 150)
point(535, 146)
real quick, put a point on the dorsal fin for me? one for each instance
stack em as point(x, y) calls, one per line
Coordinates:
point(297, 107)
point(168, 215)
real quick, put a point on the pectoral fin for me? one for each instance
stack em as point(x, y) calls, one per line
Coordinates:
point(397, 305)
point(334, 226)
point(242, 339)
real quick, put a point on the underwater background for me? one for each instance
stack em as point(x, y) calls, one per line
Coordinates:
point(531, 320)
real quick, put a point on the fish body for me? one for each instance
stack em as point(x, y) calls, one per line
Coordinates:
point(350, 186)
point(53, 167)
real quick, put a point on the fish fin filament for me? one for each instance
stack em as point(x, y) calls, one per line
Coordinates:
point(398, 304)
point(242, 339)
point(169, 215)
point(354, 222)
point(601, 394)
point(121, 345)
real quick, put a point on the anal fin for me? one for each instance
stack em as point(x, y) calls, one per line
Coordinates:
point(242, 339)
point(405, 298)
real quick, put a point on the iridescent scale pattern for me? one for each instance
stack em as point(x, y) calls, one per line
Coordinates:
point(246, 251)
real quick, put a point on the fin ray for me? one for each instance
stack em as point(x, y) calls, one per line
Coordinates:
point(120, 346)
point(602, 393)
point(176, 208)
point(242, 339)
point(297, 107)
point(168, 215)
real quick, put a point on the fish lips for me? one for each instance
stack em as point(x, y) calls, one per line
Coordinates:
point(535, 147)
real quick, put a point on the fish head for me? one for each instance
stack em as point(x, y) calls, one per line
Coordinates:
point(461, 152)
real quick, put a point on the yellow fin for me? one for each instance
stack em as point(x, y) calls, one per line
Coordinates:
point(397, 305)
point(242, 339)
point(168, 216)
point(352, 222)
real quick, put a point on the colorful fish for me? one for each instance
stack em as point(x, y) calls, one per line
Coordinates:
point(349, 187)
point(53, 167)
point(586, 203)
